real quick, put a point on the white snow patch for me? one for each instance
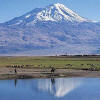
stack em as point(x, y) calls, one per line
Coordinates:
point(19, 22)
point(58, 12)
point(28, 16)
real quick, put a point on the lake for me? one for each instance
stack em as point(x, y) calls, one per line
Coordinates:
point(50, 89)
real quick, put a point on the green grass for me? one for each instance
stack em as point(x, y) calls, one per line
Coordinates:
point(58, 62)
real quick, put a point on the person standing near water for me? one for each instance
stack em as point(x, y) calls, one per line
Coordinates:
point(15, 71)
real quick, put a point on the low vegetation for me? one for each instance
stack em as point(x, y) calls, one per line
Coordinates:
point(85, 63)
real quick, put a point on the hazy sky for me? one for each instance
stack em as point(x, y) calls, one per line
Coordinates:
point(13, 8)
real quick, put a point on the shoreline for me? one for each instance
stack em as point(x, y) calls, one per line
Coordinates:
point(8, 73)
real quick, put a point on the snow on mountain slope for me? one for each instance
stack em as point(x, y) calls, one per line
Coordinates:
point(51, 30)
point(59, 12)
point(56, 12)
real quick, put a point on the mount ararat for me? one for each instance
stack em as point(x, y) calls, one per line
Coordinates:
point(49, 31)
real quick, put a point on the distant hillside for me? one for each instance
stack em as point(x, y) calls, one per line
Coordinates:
point(49, 31)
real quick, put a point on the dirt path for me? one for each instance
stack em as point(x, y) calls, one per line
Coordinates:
point(22, 73)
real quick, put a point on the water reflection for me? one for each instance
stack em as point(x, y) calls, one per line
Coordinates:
point(59, 87)
point(51, 89)
point(15, 82)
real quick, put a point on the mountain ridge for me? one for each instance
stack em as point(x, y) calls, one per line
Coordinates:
point(55, 12)
point(51, 30)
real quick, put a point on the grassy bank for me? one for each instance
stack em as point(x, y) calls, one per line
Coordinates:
point(57, 62)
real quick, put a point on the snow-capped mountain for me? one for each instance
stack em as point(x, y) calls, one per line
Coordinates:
point(56, 12)
point(51, 30)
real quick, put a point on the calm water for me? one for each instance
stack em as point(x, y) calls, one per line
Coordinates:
point(51, 89)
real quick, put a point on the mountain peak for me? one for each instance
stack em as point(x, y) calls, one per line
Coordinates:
point(59, 12)
point(52, 30)
point(58, 4)
point(56, 13)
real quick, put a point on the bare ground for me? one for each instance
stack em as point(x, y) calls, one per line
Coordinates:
point(25, 73)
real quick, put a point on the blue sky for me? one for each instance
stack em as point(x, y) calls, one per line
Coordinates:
point(13, 8)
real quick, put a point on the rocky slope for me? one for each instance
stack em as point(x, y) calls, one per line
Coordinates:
point(49, 31)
